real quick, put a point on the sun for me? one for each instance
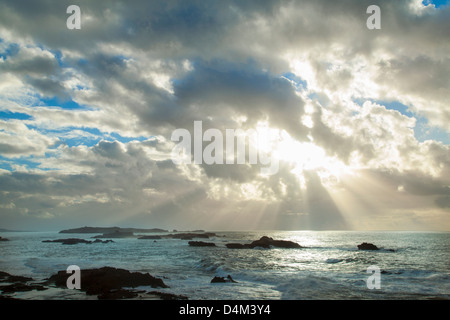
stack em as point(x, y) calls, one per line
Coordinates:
point(302, 156)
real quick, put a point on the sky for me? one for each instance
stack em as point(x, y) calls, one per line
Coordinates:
point(357, 119)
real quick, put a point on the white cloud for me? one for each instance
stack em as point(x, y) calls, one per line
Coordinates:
point(147, 69)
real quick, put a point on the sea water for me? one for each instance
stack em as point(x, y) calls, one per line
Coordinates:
point(413, 265)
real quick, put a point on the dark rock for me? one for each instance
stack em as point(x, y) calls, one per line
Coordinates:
point(69, 241)
point(5, 297)
point(12, 278)
point(102, 241)
point(151, 237)
point(101, 281)
point(6, 277)
point(3, 239)
point(21, 287)
point(222, 279)
point(264, 242)
point(201, 244)
point(118, 294)
point(237, 246)
point(18, 283)
point(367, 246)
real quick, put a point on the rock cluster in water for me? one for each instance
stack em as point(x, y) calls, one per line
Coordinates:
point(265, 242)
point(109, 283)
point(17, 284)
point(71, 241)
point(106, 283)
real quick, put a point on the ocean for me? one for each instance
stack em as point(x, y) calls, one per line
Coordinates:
point(412, 265)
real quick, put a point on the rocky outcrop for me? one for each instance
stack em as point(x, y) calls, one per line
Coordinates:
point(367, 246)
point(6, 277)
point(201, 244)
point(265, 242)
point(105, 281)
point(71, 241)
point(222, 279)
point(17, 284)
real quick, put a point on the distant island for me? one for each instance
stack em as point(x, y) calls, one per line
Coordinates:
point(112, 230)
point(9, 230)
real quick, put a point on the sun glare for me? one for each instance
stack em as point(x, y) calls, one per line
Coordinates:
point(303, 156)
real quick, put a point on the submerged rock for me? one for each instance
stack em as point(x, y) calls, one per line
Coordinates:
point(118, 294)
point(222, 279)
point(237, 246)
point(265, 242)
point(102, 241)
point(201, 244)
point(367, 246)
point(151, 237)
